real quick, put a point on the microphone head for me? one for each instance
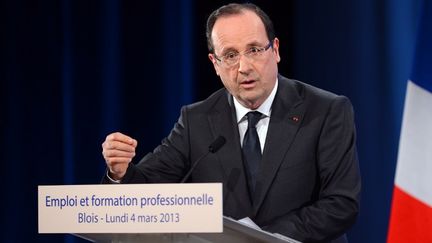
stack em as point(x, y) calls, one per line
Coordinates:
point(217, 144)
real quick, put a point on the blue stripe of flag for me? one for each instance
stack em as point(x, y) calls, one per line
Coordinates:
point(422, 69)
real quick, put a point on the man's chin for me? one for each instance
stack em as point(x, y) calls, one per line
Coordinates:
point(251, 102)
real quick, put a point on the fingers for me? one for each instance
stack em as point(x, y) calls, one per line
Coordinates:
point(119, 137)
point(119, 142)
point(113, 154)
point(118, 151)
point(118, 145)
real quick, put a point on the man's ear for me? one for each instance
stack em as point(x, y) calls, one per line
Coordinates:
point(214, 62)
point(276, 49)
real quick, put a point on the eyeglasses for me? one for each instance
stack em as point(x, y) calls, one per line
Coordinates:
point(232, 58)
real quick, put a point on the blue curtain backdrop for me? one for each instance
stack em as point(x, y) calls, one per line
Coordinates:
point(73, 71)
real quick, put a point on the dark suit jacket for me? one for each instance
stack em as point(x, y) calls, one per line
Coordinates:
point(309, 183)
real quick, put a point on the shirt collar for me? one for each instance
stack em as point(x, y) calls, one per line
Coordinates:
point(264, 108)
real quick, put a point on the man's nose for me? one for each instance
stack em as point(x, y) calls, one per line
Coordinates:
point(245, 64)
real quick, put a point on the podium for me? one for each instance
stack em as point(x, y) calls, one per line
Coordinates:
point(233, 232)
point(184, 213)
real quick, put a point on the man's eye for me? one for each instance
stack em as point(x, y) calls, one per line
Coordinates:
point(231, 55)
point(254, 50)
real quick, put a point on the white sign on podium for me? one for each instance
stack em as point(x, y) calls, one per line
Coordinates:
point(132, 208)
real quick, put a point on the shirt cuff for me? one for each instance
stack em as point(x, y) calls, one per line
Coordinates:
point(111, 179)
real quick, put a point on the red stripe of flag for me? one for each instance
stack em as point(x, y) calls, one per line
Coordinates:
point(410, 220)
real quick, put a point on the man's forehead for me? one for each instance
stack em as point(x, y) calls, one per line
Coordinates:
point(245, 28)
point(239, 20)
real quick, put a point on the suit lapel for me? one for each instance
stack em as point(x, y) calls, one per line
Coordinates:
point(286, 116)
point(222, 121)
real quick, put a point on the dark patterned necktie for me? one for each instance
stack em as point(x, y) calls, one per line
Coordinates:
point(252, 148)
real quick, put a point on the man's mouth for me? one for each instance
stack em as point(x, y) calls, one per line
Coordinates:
point(247, 82)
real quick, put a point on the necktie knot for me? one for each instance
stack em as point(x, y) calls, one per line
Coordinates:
point(253, 118)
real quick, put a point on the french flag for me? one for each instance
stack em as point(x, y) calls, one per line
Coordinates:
point(411, 212)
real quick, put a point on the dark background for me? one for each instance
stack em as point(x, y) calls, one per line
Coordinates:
point(73, 71)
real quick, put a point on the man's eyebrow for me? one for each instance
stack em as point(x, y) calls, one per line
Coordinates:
point(254, 43)
point(232, 49)
point(228, 50)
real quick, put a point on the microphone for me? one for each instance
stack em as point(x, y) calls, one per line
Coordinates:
point(213, 148)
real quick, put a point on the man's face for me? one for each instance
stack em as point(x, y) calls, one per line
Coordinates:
point(252, 79)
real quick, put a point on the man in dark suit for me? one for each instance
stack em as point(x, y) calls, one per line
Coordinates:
point(294, 171)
